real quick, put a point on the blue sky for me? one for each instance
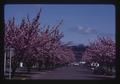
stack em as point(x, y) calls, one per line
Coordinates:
point(80, 22)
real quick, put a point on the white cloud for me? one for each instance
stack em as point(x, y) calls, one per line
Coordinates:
point(89, 31)
point(86, 30)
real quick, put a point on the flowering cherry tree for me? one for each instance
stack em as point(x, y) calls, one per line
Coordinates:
point(35, 44)
point(102, 51)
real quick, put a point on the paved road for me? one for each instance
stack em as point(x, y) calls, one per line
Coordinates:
point(67, 73)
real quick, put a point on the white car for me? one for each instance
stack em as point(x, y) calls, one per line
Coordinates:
point(82, 62)
point(75, 64)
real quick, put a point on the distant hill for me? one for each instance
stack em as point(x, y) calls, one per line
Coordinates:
point(78, 50)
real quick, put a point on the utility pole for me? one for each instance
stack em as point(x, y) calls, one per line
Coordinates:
point(5, 62)
point(9, 52)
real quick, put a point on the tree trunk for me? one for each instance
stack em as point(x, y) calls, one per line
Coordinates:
point(14, 67)
point(39, 66)
point(29, 68)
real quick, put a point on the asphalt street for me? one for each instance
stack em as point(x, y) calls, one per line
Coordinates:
point(68, 73)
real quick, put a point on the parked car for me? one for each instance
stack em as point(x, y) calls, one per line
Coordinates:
point(82, 62)
point(75, 64)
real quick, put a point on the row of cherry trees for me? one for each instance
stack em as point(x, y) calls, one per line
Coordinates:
point(35, 44)
point(102, 51)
